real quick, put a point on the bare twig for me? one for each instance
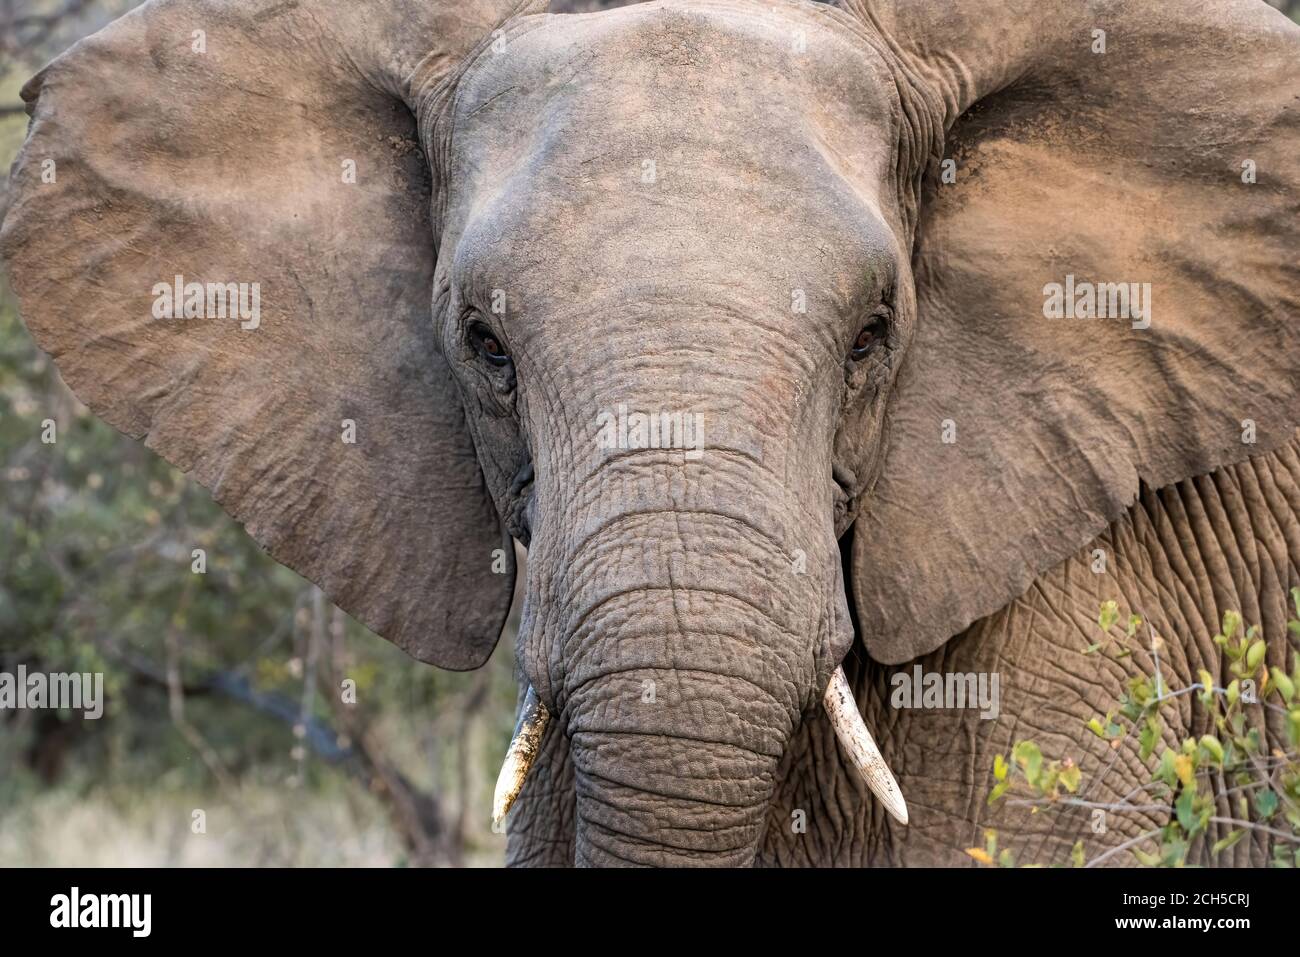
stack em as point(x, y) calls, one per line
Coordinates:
point(417, 816)
point(1120, 848)
point(1251, 825)
point(176, 697)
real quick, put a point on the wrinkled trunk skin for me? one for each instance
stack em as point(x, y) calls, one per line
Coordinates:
point(685, 662)
point(680, 615)
point(688, 785)
point(681, 692)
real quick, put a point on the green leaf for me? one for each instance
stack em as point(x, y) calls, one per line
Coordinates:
point(1212, 746)
point(1166, 771)
point(1047, 780)
point(1231, 623)
point(1283, 684)
point(1097, 728)
point(1000, 768)
point(1108, 615)
point(1149, 738)
point(1146, 859)
point(1076, 854)
point(1030, 759)
point(1251, 741)
point(1227, 842)
point(1174, 853)
point(1255, 654)
point(1183, 809)
point(1070, 778)
point(1295, 597)
point(1266, 804)
point(999, 789)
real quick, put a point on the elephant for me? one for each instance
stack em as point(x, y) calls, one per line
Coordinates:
point(801, 345)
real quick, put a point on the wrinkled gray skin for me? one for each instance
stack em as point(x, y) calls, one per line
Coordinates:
point(648, 570)
point(1225, 541)
point(697, 208)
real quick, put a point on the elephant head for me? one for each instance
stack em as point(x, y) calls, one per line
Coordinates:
point(753, 321)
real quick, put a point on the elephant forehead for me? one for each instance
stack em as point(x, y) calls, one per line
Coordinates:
point(677, 128)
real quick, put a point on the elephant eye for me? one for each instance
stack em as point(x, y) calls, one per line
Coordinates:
point(487, 344)
point(871, 335)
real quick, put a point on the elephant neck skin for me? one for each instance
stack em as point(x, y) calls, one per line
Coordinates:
point(1181, 557)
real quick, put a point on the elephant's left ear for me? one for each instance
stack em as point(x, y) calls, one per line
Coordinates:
point(220, 229)
point(1108, 285)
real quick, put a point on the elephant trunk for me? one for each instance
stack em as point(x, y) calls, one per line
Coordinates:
point(686, 666)
point(677, 779)
point(681, 618)
point(685, 604)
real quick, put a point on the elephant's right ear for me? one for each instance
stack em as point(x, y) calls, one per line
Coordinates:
point(219, 227)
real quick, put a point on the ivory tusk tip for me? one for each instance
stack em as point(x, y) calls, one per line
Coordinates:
point(897, 810)
point(509, 784)
point(523, 751)
point(851, 730)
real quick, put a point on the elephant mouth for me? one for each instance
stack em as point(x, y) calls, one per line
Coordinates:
point(841, 708)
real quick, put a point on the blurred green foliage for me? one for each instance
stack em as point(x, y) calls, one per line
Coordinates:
point(1229, 776)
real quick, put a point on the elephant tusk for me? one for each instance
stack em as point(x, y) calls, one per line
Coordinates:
point(842, 709)
point(524, 747)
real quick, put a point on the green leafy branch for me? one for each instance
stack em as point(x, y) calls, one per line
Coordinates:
point(1186, 781)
